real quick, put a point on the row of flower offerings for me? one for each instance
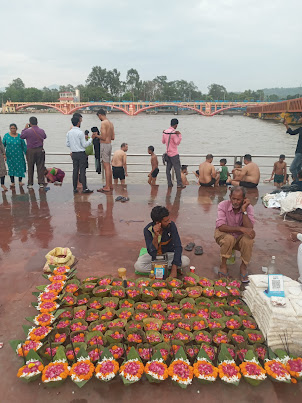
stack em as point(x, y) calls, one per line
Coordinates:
point(166, 325)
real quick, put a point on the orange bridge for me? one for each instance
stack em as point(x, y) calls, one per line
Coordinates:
point(291, 110)
point(134, 108)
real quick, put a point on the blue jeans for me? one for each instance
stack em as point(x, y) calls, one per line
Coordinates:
point(296, 165)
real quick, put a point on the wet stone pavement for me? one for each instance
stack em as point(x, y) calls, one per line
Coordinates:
point(105, 235)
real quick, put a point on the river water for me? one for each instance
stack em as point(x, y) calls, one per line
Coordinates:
point(219, 135)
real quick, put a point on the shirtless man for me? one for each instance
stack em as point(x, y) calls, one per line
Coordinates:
point(106, 136)
point(119, 164)
point(154, 167)
point(207, 173)
point(279, 172)
point(249, 175)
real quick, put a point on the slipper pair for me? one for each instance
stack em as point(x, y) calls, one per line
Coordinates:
point(122, 199)
point(197, 251)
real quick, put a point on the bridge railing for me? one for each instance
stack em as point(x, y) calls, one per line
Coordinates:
point(139, 164)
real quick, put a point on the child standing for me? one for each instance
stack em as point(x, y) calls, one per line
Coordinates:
point(154, 167)
point(279, 172)
point(222, 173)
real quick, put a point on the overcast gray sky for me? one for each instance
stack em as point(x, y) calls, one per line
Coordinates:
point(238, 43)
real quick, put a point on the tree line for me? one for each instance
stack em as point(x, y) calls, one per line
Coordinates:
point(106, 85)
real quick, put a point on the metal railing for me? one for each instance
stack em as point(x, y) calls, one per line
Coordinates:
point(139, 162)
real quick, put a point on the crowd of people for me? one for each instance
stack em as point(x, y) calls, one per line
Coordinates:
point(235, 217)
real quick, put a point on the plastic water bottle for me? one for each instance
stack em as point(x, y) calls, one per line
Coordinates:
point(272, 266)
point(232, 259)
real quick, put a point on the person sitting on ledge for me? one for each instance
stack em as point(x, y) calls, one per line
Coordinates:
point(249, 175)
point(234, 230)
point(54, 175)
point(206, 172)
point(161, 236)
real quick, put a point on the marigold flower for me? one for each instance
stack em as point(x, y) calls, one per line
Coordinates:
point(60, 337)
point(70, 353)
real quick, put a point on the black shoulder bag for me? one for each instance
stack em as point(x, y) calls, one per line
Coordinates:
point(165, 156)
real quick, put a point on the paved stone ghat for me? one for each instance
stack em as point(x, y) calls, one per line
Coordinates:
point(158, 329)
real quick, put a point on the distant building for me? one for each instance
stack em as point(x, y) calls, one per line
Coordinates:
point(69, 96)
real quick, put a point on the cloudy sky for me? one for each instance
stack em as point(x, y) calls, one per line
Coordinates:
point(238, 43)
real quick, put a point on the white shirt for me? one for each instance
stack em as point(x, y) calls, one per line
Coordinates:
point(299, 237)
point(75, 140)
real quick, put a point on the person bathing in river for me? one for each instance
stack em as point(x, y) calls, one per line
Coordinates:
point(161, 236)
point(154, 167)
point(234, 230)
point(279, 173)
point(119, 164)
point(249, 175)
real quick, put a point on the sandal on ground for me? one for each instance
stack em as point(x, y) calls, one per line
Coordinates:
point(244, 278)
point(125, 199)
point(119, 198)
point(190, 246)
point(198, 250)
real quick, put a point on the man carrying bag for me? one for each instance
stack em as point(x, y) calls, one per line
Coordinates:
point(172, 138)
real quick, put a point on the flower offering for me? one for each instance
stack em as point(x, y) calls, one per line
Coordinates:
point(82, 370)
point(55, 371)
point(106, 369)
point(38, 333)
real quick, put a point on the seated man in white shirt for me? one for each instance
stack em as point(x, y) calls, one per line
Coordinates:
point(75, 140)
point(296, 236)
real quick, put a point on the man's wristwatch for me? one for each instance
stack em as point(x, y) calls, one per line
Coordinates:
point(245, 213)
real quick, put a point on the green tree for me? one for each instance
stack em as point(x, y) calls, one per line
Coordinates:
point(33, 95)
point(113, 82)
point(217, 91)
point(97, 77)
point(15, 91)
point(67, 88)
point(133, 82)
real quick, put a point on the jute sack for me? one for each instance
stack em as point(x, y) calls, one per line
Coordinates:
point(58, 257)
